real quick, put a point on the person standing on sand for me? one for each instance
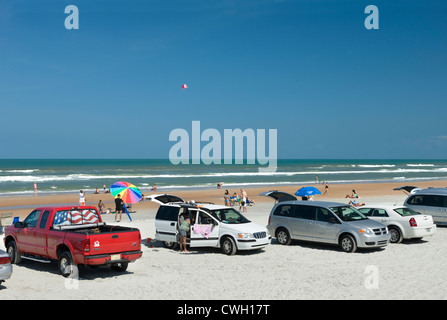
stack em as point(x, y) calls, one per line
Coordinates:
point(183, 230)
point(35, 189)
point(226, 197)
point(326, 188)
point(81, 198)
point(243, 201)
point(118, 207)
point(101, 207)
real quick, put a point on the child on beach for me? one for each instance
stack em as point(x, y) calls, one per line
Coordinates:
point(101, 207)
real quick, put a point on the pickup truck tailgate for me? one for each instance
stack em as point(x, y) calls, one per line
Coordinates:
point(115, 242)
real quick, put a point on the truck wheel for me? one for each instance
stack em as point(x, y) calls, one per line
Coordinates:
point(14, 254)
point(283, 236)
point(120, 267)
point(66, 265)
point(347, 243)
point(228, 246)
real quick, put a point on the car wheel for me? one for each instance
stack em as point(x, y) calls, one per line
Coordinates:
point(170, 245)
point(228, 246)
point(283, 236)
point(347, 243)
point(13, 252)
point(66, 265)
point(396, 235)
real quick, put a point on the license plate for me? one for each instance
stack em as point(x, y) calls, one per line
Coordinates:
point(428, 229)
point(115, 257)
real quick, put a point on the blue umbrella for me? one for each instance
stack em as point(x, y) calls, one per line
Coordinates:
point(307, 191)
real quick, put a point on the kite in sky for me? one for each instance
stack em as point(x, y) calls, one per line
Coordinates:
point(184, 86)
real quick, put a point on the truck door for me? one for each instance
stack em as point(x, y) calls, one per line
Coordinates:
point(26, 234)
point(204, 230)
point(41, 234)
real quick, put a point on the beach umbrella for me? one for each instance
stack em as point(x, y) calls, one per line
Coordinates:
point(127, 191)
point(307, 191)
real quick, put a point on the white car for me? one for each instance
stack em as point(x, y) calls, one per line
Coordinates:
point(402, 222)
point(5, 266)
point(212, 225)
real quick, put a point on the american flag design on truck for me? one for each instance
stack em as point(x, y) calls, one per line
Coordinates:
point(70, 217)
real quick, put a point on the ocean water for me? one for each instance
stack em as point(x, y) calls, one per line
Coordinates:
point(65, 176)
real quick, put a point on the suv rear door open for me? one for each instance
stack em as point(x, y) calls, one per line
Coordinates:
point(166, 219)
point(279, 196)
point(164, 198)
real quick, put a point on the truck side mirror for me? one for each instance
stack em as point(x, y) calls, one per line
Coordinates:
point(18, 225)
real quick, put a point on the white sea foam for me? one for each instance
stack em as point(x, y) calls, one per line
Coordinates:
point(88, 177)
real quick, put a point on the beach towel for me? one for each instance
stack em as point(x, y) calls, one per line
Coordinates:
point(204, 229)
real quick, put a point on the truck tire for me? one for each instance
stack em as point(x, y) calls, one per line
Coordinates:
point(13, 252)
point(66, 265)
point(120, 267)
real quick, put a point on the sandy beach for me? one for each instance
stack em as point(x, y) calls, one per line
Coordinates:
point(415, 269)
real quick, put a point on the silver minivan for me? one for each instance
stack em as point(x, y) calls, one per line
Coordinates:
point(326, 222)
point(431, 201)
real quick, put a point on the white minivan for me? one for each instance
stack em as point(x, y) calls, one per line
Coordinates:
point(211, 225)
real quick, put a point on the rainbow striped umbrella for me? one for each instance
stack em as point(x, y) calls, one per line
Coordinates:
point(128, 192)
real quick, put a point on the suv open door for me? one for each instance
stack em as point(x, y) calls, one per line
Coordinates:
point(164, 198)
point(166, 219)
point(279, 196)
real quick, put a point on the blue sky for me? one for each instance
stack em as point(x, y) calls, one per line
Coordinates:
point(308, 68)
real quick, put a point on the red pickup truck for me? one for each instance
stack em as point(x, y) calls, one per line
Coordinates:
point(73, 236)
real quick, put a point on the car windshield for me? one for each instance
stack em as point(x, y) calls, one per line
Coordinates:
point(229, 215)
point(406, 212)
point(348, 213)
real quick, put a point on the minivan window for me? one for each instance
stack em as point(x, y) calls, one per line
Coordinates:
point(348, 213)
point(428, 200)
point(167, 213)
point(285, 210)
point(324, 215)
point(305, 212)
point(229, 215)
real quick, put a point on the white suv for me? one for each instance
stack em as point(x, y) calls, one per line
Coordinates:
point(211, 225)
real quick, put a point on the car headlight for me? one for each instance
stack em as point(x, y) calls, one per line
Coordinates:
point(366, 231)
point(245, 236)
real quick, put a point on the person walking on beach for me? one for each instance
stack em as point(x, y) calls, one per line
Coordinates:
point(35, 189)
point(81, 198)
point(326, 188)
point(118, 207)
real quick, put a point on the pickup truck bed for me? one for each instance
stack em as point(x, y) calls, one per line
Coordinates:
point(73, 236)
